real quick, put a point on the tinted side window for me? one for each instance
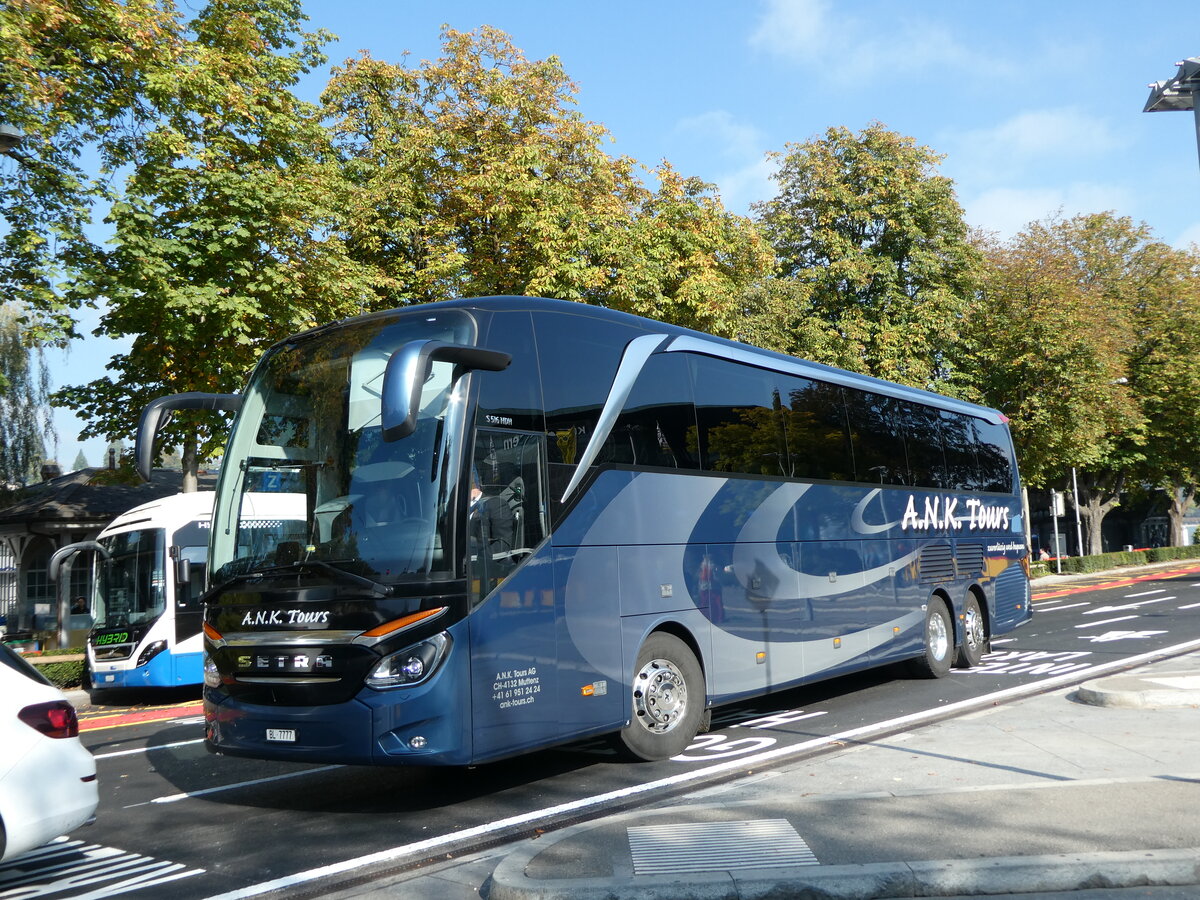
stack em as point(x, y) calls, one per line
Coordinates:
point(879, 456)
point(958, 443)
point(993, 454)
point(818, 440)
point(922, 444)
point(658, 425)
point(738, 414)
point(579, 357)
point(511, 398)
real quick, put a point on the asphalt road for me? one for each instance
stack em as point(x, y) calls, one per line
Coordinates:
point(173, 817)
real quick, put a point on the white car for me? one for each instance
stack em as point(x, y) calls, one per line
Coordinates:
point(47, 777)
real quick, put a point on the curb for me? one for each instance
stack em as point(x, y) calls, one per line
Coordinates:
point(1163, 690)
point(876, 881)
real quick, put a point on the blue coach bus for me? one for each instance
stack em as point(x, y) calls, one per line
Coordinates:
point(521, 522)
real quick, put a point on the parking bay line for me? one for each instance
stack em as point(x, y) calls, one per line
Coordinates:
point(187, 795)
point(117, 753)
point(1105, 622)
point(420, 849)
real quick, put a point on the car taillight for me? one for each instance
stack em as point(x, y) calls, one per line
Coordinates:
point(56, 719)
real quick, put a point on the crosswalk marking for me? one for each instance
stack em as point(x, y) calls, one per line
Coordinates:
point(82, 871)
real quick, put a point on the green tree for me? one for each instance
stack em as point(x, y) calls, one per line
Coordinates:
point(221, 232)
point(1164, 374)
point(877, 240)
point(25, 421)
point(80, 462)
point(688, 260)
point(474, 174)
point(76, 81)
point(1051, 342)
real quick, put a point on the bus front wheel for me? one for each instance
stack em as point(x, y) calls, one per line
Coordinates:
point(668, 699)
point(939, 641)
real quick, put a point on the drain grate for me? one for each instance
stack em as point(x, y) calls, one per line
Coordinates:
point(712, 846)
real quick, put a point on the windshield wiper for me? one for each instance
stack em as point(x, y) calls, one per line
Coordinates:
point(382, 590)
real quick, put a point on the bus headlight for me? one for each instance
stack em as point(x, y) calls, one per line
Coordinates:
point(412, 665)
point(151, 651)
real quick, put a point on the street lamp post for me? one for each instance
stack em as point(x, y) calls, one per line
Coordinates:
point(1178, 93)
point(10, 138)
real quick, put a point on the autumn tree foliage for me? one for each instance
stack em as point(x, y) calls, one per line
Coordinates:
point(217, 246)
point(874, 255)
point(79, 81)
point(474, 174)
point(1085, 335)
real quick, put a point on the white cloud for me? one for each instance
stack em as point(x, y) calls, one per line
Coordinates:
point(846, 47)
point(749, 184)
point(744, 146)
point(1041, 134)
point(792, 28)
point(1190, 235)
point(1007, 210)
point(722, 132)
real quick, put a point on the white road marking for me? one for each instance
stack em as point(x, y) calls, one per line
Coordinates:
point(116, 753)
point(63, 867)
point(175, 798)
point(419, 849)
point(1105, 622)
point(1189, 606)
point(1043, 608)
point(1146, 593)
point(1138, 605)
point(1110, 636)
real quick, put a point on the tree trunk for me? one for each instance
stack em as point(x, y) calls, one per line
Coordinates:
point(1095, 501)
point(190, 465)
point(1181, 498)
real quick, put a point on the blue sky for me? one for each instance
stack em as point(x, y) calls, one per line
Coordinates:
point(1035, 106)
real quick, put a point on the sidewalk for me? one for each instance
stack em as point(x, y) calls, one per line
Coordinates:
point(1072, 791)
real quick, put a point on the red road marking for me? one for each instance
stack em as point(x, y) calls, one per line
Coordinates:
point(159, 714)
point(1124, 582)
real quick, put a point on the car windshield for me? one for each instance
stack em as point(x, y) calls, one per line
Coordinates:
point(308, 476)
point(131, 589)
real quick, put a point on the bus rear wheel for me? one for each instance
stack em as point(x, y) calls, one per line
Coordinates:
point(668, 699)
point(939, 641)
point(974, 643)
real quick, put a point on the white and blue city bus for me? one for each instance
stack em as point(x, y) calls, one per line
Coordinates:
point(148, 571)
point(148, 575)
point(522, 522)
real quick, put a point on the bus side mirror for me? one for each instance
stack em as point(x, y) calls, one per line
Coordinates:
point(158, 412)
point(407, 371)
point(60, 556)
point(183, 571)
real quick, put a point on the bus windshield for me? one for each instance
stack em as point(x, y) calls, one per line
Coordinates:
point(318, 485)
point(131, 589)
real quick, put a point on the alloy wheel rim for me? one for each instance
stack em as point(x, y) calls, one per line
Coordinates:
point(659, 696)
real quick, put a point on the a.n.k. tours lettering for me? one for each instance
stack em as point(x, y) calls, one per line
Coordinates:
point(944, 513)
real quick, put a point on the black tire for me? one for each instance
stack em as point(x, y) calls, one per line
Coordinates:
point(938, 635)
point(975, 637)
point(668, 699)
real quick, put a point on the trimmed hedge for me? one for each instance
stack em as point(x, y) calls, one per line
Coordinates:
point(1077, 565)
point(64, 675)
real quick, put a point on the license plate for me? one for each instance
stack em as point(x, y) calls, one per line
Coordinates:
point(287, 735)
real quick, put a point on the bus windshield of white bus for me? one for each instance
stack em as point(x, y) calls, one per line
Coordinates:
point(309, 437)
point(131, 588)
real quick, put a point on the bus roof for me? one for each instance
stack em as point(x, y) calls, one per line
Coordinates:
point(741, 352)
